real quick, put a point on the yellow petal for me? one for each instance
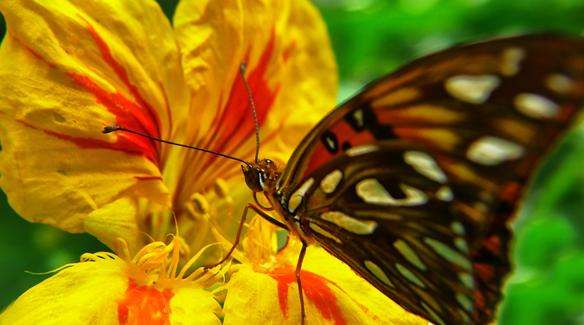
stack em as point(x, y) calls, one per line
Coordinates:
point(114, 221)
point(252, 298)
point(333, 294)
point(66, 71)
point(290, 68)
point(81, 294)
point(194, 305)
point(370, 303)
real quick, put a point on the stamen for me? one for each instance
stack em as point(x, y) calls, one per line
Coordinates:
point(121, 247)
point(200, 204)
point(221, 189)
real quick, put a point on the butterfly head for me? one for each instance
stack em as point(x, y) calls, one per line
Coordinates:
point(260, 176)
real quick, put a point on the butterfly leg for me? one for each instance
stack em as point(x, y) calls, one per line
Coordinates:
point(299, 279)
point(262, 214)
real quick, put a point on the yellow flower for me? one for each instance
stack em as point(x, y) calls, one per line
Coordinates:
point(106, 289)
point(69, 68)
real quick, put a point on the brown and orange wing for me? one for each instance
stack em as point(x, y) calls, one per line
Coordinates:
point(464, 129)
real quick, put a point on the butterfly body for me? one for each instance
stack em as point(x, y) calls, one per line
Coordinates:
point(413, 182)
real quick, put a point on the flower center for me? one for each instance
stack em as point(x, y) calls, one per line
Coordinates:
point(144, 305)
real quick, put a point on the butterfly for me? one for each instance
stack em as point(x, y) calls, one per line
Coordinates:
point(413, 181)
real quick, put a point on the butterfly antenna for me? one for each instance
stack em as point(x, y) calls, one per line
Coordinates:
point(242, 69)
point(117, 128)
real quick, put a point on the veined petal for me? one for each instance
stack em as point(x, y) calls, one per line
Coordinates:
point(194, 305)
point(67, 69)
point(333, 294)
point(290, 69)
point(115, 221)
point(371, 305)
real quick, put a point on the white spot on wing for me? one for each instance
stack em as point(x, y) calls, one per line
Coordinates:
point(559, 83)
point(331, 143)
point(535, 106)
point(377, 272)
point(472, 89)
point(466, 279)
point(319, 230)
point(297, 197)
point(356, 226)
point(458, 228)
point(409, 254)
point(448, 253)
point(444, 193)
point(361, 150)
point(371, 191)
point(511, 61)
point(358, 115)
point(491, 151)
point(433, 315)
point(425, 165)
point(460, 243)
point(409, 275)
point(465, 302)
point(330, 182)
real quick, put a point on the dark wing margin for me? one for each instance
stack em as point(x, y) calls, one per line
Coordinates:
point(426, 167)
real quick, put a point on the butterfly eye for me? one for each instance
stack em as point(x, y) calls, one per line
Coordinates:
point(254, 178)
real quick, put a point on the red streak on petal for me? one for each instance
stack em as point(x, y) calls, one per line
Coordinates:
point(136, 114)
point(315, 289)
point(122, 144)
point(127, 114)
point(146, 114)
point(144, 305)
point(236, 123)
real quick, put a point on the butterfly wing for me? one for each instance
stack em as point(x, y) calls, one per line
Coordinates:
point(415, 179)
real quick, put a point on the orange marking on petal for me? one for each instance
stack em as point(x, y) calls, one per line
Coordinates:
point(144, 305)
point(289, 50)
point(315, 288)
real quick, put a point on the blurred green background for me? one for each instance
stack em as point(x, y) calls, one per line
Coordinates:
point(371, 37)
